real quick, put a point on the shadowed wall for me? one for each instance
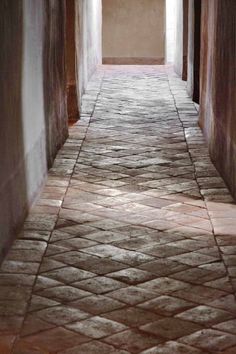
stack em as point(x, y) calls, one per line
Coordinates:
point(218, 85)
point(194, 44)
point(181, 47)
point(33, 108)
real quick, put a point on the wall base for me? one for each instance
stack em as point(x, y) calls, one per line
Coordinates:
point(133, 61)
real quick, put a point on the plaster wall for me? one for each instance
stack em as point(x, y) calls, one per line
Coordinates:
point(29, 115)
point(218, 85)
point(88, 41)
point(181, 40)
point(133, 31)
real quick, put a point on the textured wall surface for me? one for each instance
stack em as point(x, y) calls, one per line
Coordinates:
point(133, 31)
point(33, 121)
point(88, 41)
point(194, 42)
point(54, 74)
point(181, 41)
point(218, 85)
point(72, 103)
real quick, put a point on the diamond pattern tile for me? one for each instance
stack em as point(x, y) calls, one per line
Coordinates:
point(131, 246)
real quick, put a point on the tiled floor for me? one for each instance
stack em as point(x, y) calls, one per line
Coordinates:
point(132, 246)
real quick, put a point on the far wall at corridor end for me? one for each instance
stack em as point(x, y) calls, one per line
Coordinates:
point(133, 31)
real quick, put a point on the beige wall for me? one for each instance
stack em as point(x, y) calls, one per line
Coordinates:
point(133, 29)
point(88, 41)
point(181, 47)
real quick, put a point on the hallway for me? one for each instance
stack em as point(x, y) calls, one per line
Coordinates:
point(132, 242)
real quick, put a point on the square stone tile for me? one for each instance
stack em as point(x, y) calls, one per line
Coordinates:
point(106, 236)
point(199, 294)
point(61, 315)
point(12, 308)
point(163, 267)
point(76, 259)
point(19, 267)
point(163, 251)
point(64, 293)
point(39, 303)
point(132, 295)
point(21, 280)
point(227, 326)
point(50, 264)
point(171, 328)
point(196, 275)
point(34, 325)
point(45, 283)
point(172, 347)
point(103, 266)
point(133, 340)
point(132, 215)
point(10, 324)
point(131, 276)
point(68, 275)
point(205, 315)
point(164, 285)
point(210, 340)
point(53, 340)
point(193, 258)
point(75, 243)
point(167, 305)
point(99, 285)
point(94, 347)
point(96, 327)
point(132, 258)
point(97, 304)
point(226, 303)
point(103, 250)
point(132, 316)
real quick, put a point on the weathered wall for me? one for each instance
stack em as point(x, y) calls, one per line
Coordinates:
point(33, 120)
point(194, 42)
point(218, 85)
point(88, 41)
point(133, 31)
point(181, 41)
point(54, 76)
point(72, 104)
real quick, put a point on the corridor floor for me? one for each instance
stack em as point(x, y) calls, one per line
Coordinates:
point(131, 247)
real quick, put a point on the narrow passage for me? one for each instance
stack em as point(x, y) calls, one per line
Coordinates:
point(131, 246)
